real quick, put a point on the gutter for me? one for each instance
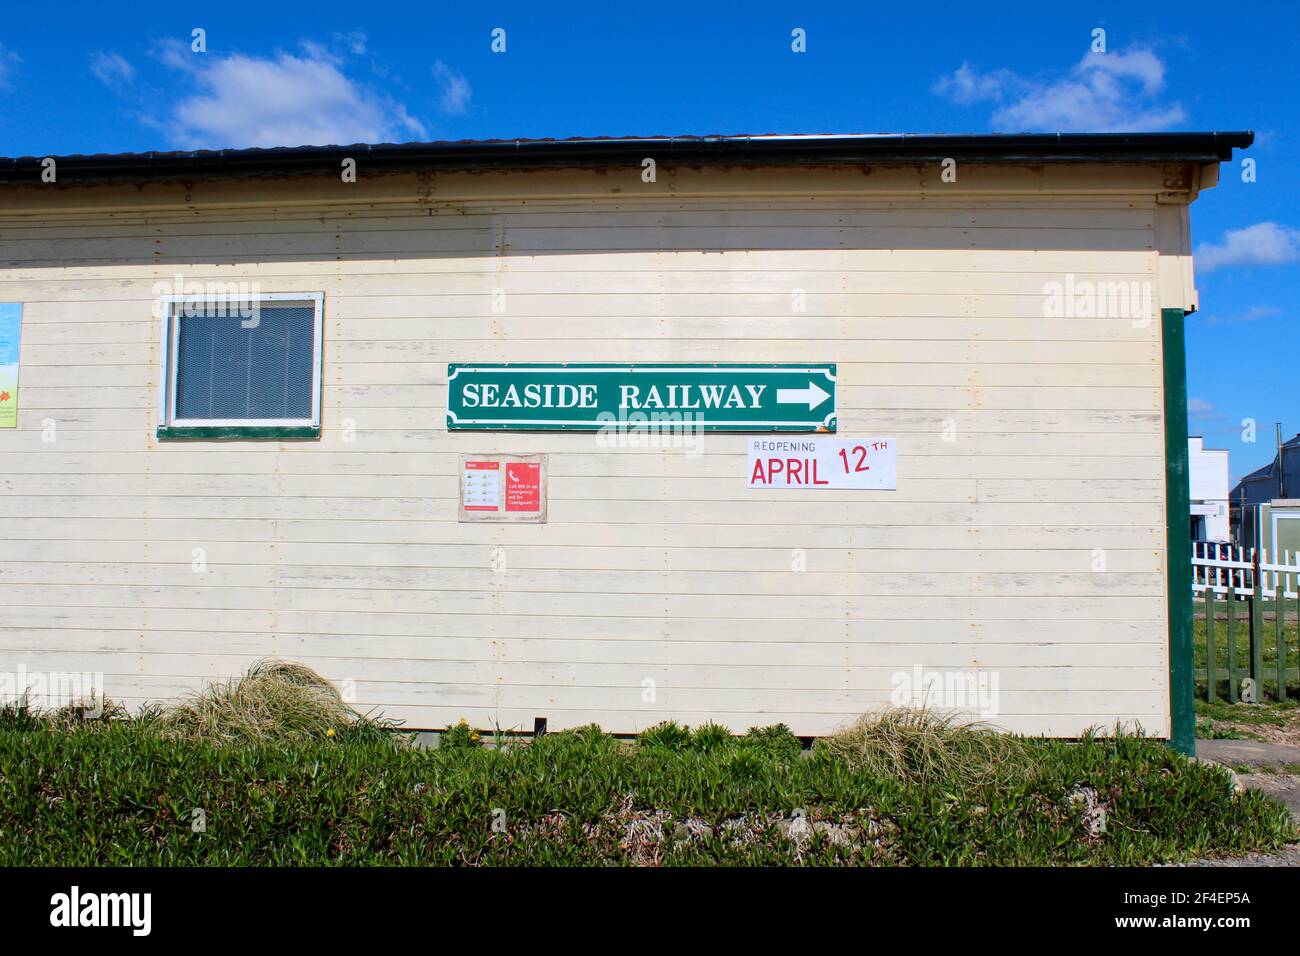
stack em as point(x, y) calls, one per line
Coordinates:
point(837, 150)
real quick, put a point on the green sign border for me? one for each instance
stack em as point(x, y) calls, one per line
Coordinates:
point(825, 425)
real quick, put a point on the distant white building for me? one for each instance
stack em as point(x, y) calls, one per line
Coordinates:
point(1208, 471)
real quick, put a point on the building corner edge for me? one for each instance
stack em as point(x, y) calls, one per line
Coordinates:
point(1178, 551)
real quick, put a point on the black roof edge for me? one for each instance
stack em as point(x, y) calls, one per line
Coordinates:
point(849, 149)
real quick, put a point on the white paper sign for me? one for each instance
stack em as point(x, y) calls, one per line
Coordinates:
point(481, 485)
point(797, 462)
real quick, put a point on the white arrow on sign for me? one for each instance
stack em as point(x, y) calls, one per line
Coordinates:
point(813, 395)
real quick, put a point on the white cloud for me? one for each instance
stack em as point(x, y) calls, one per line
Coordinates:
point(456, 91)
point(112, 69)
point(8, 64)
point(284, 100)
point(1253, 314)
point(355, 41)
point(1263, 244)
point(967, 85)
point(1103, 92)
point(177, 55)
point(1199, 407)
point(320, 52)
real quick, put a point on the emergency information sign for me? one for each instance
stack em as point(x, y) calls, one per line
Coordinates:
point(856, 463)
point(597, 396)
point(503, 488)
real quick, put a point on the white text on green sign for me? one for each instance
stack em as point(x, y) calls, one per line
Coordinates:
point(590, 397)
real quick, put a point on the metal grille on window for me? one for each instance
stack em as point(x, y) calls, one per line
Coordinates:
point(233, 367)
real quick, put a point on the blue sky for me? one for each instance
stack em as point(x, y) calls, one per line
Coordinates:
point(10, 318)
point(118, 77)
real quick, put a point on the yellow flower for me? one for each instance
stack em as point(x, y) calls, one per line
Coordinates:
point(329, 732)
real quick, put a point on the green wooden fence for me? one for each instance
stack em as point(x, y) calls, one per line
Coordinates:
point(1251, 636)
point(1246, 642)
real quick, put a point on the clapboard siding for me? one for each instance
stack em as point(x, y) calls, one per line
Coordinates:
point(1028, 446)
point(38, 579)
point(910, 631)
point(627, 557)
point(155, 653)
point(1025, 215)
point(584, 488)
point(922, 333)
point(435, 464)
point(936, 538)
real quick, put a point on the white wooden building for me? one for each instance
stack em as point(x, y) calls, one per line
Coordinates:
point(1207, 470)
point(1008, 309)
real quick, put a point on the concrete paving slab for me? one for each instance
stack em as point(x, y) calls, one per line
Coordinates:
point(1248, 753)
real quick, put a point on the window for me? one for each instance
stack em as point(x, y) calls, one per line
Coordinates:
point(242, 367)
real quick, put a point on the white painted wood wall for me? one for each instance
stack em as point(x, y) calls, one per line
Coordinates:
point(654, 566)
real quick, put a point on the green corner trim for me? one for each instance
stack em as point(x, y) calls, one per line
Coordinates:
point(1178, 548)
point(237, 432)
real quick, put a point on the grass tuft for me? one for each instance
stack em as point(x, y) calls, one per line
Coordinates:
point(274, 701)
point(669, 735)
point(776, 741)
point(921, 747)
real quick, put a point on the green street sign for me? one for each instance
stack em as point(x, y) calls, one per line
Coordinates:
point(590, 397)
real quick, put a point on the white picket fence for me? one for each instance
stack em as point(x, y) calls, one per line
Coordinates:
point(1219, 566)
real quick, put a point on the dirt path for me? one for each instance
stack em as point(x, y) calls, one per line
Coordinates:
point(1272, 723)
point(1254, 754)
point(1287, 856)
point(1264, 760)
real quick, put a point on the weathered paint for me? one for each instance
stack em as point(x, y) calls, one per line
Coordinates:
point(1027, 444)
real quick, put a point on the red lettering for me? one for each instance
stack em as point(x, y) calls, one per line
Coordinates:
point(793, 469)
point(815, 480)
point(758, 477)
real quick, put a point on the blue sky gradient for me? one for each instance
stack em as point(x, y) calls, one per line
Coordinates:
point(113, 78)
point(11, 314)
